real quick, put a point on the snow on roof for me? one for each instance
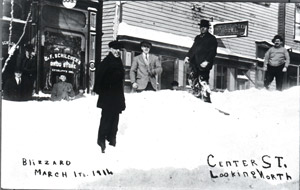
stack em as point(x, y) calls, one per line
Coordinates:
point(153, 35)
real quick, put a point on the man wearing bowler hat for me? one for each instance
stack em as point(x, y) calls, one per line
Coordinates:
point(201, 57)
point(109, 77)
point(276, 62)
point(144, 69)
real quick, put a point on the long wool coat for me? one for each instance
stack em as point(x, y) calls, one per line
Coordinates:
point(109, 77)
point(203, 49)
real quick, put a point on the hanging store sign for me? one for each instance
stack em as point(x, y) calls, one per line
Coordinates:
point(230, 29)
point(69, 3)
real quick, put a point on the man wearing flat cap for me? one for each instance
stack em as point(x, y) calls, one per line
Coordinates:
point(109, 77)
point(276, 62)
point(201, 56)
point(144, 69)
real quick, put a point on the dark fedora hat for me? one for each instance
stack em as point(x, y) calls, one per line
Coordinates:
point(277, 37)
point(18, 69)
point(145, 43)
point(115, 45)
point(204, 23)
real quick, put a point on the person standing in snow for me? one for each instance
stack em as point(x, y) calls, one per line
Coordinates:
point(144, 69)
point(277, 60)
point(109, 77)
point(201, 56)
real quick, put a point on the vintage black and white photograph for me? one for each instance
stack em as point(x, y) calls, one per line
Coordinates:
point(150, 95)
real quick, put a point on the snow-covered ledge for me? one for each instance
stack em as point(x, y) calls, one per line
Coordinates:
point(153, 35)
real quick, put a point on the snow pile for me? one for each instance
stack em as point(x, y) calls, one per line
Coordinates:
point(160, 133)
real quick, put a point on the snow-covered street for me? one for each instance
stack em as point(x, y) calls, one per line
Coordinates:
point(166, 139)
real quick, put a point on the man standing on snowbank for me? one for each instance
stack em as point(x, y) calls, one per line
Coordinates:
point(144, 69)
point(277, 60)
point(109, 77)
point(201, 56)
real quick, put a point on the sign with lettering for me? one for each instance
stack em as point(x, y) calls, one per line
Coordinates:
point(230, 29)
point(62, 55)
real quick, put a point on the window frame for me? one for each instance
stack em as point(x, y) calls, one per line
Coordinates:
point(297, 23)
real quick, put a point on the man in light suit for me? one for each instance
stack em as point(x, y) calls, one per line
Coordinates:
point(144, 69)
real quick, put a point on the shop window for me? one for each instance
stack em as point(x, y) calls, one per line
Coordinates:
point(297, 22)
point(167, 76)
point(63, 18)
point(242, 79)
point(93, 21)
point(92, 46)
point(221, 77)
point(17, 10)
point(62, 54)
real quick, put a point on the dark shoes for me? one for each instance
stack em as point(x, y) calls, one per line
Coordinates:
point(102, 145)
point(112, 142)
point(207, 98)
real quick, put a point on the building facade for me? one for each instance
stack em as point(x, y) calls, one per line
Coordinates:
point(172, 26)
point(65, 34)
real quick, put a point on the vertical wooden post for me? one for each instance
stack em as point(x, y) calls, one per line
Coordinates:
point(1, 11)
point(98, 48)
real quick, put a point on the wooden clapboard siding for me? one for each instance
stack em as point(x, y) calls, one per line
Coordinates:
point(170, 17)
point(107, 25)
point(290, 30)
point(262, 24)
point(178, 18)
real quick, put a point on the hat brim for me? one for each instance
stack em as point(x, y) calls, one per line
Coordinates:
point(145, 43)
point(201, 25)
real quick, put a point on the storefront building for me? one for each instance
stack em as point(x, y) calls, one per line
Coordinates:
point(64, 33)
point(172, 26)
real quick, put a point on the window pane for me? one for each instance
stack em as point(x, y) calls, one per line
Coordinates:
point(297, 16)
point(297, 31)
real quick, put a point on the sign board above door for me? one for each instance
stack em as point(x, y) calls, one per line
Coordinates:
point(230, 29)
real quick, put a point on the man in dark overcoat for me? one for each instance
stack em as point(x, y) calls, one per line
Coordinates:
point(201, 55)
point(28, 64)
point(109, 77)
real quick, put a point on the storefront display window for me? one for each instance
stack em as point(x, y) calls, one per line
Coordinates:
point(62, 55)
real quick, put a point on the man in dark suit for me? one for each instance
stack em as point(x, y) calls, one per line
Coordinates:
point(28, 64)
point(109, 78)
point(201, 56)
point(15, 88)
point(144, 69)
